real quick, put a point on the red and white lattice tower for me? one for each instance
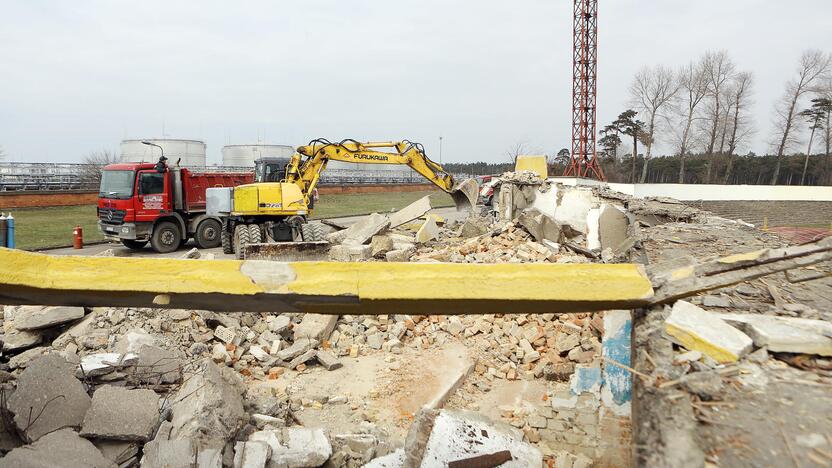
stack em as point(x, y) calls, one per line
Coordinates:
point(584, 162)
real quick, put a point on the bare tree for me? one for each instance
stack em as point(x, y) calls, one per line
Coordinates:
point(93, 163)
point(718, 69)
point(651, 92)
point(739, 123)
point(518, 149)
point(816, 118)
point(693, 87)
point(814, 66)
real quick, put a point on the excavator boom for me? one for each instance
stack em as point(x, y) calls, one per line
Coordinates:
point(310, 161)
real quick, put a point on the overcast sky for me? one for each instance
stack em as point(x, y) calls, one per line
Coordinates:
point(81, 76)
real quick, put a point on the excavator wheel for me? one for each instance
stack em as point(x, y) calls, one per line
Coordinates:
point(255, 234)
point(312, 232)
point(226, 241)
point(241, 238)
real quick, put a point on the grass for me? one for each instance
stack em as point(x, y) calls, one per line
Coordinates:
point(37, 228)
point(337, 205)
point(49, 227)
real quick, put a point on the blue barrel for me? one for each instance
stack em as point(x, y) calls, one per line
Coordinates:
point(10, 231)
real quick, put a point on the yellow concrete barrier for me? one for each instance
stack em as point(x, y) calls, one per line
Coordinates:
point(322, 287)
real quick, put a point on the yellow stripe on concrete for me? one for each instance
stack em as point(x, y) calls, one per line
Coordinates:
point(320, 286)
point(693, 341)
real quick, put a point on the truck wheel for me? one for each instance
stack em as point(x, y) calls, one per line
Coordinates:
point(166, 237)
point(255, 235)
point(311, 232)
point(133, 244)
point(227, 242)
point(240, 239)
point(207, 235)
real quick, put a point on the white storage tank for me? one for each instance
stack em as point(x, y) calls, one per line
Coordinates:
point(245, 155)
point(190, 153)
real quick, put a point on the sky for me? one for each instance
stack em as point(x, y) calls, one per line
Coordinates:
point(485, 75)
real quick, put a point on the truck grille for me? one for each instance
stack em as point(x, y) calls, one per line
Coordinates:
point(111, 215)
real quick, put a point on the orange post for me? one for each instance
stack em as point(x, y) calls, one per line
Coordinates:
point(78, 237)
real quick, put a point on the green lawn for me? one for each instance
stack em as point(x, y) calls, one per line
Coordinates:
point(50, 227)
point(333, 206)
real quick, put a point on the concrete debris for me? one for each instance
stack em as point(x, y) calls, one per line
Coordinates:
point(194, 253)
point(295, 447)
point(132, 341)
point(297, 348)
point(36, 317)
point(62, 448)
point(540, 226)
point(14, 340)
point(209, 405)
point(121, 414)
point(158, 366)
point(785, 334)
point(164, 453)
point(252, 454)
point(349, 253)
point(474, 226)
point(119, 452)
point(48, 397)
point(23, 359)
point(458, 435)
point(428, 232)
point(716, 301)
point(95, 365)
point(315, 327)
point(410, 212)
point(696, 329)
point(380, 245)
point(328, 360)
point(362, 231)
point(399, 255)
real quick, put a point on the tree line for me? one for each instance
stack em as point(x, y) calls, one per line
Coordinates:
point(702, 110)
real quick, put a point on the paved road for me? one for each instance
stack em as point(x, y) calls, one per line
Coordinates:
point(450, 214)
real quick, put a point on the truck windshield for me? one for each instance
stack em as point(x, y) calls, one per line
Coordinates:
point(116, 184)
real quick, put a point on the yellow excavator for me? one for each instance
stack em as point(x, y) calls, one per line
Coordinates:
point(277, 206)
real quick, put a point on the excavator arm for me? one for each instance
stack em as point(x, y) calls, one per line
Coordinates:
point(309, 162)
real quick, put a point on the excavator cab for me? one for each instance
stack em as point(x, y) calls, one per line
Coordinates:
point(270, 169)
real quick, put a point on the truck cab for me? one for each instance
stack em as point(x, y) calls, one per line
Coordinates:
point(141, 203)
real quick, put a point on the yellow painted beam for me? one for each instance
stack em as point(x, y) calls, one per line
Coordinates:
point(322, 287)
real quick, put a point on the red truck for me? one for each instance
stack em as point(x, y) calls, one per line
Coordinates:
point(150, 202)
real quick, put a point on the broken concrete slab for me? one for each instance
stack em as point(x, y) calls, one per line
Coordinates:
point(118, 451)
point(132, 341)
point(716, 301)
point(410, 212)
point(307, 356)
point(36, 317)
point(429, 231)
point(209, 405)
point(121, 414)
point(474, 226)
point(785, 334)
point(540, 226)
point(295, 447)
point(94, 365)
point(48, 397)
point(349, 253)
point(316, 327)
point(14, 340)
point(297, 348)
point(62, 448)
point(696, 329)
point(380, 245)
point(461, 434)
point(399, 255)
point(158, 365)
point(23, 359)
point(163, 453)
point(362, 231)
point(328, 360)
point(252, 454)
point(612, 226)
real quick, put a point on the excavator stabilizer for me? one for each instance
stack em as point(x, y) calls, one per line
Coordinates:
point(465, 195)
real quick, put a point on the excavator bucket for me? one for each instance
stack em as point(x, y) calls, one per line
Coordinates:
point(465, 195)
